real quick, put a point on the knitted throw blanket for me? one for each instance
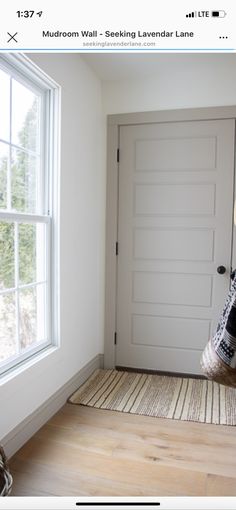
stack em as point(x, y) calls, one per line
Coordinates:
point(219, 357)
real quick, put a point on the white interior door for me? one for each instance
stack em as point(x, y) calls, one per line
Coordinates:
point(175, 229)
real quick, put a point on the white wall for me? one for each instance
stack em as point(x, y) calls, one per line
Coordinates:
point(177, 81)
point(82, 240)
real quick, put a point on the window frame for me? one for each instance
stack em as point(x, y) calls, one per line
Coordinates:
point(31, 76)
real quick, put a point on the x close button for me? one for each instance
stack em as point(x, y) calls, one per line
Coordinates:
point(12, 37)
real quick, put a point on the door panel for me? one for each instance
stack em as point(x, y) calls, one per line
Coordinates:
point(176, 154)
point(189, 244)
point(172, 332)
point(173, 289)
point(175, 228)
point(178, 199)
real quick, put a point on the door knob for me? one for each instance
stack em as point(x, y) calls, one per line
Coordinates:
point(221, 269)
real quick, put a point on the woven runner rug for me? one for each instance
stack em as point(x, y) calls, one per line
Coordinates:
point(160, 396)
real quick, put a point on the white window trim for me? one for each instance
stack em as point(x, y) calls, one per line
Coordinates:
point(27, 72)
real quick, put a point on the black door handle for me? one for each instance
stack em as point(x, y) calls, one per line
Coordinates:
point(221, 269)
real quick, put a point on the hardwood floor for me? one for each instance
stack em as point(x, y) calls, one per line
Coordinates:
point(91, 452)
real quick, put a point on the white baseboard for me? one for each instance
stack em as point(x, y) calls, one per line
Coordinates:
point(28, 427)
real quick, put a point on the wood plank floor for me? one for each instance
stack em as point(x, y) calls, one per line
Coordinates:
point(83, 451)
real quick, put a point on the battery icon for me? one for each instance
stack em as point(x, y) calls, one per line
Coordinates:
point(218, 14)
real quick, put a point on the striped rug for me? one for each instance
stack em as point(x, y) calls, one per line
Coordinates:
point(160, 396)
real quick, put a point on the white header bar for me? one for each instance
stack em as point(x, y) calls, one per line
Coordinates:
point(127, 25)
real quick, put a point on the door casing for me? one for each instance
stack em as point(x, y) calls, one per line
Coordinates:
point(113, 124)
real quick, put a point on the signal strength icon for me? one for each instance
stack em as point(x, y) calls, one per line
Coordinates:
point(190, 15)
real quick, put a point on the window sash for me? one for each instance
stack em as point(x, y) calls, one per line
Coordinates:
point(33, 220)
point(43, 148)
point(37, 346)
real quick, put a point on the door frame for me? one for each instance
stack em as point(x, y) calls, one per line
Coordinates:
point(114, 122)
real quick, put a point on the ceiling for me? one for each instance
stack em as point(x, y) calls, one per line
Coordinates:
point(119, 66)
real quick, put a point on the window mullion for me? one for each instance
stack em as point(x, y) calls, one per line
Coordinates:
point(16, 242)
point(22, 287)
point(23, 217)
point(20, 148)
point(9, 155)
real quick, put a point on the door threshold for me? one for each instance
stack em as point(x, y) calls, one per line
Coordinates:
point(160, 372)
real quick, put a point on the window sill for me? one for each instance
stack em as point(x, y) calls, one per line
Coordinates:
point(27, 364)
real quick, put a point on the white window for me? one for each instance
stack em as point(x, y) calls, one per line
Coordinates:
point(28, 211)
